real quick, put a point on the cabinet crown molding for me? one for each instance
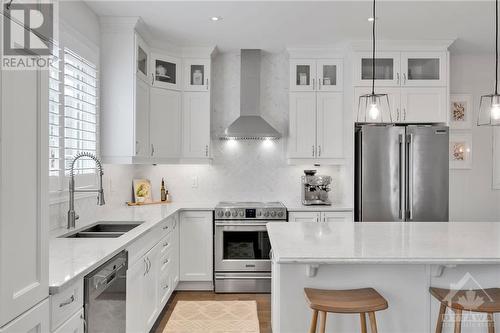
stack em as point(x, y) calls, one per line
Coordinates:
point(118, 23)
point(403, 45)
point(316, 52)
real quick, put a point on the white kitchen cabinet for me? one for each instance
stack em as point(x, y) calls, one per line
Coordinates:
point(387, 69)
point(400, 69)
point(165, 71)
point(304, 216)
point(196, 74)
point(329, 125)
point(316, 75)
point(424, 105)
point(302, 128)
point(337, 216)
point(329, 216)
point(142, 61)
point(24, 236)
point(142, 296)
point(316, 125)
point(196, 125)
point(196, 246)
point(423, 69)
point(411, 104)
point(165, 123)
point(141, 118)
point(34, 320)
point(329, 75)
point(75, 324)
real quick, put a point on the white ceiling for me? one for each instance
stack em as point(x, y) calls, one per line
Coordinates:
point(275, 25)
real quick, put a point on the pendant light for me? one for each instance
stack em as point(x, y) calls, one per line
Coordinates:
point(374, 108)
point(489, 107)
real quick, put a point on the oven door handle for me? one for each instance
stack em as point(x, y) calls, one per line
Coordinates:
point(244, 224)
point(233, 277)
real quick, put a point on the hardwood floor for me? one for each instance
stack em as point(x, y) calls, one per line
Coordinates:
point(263, 306)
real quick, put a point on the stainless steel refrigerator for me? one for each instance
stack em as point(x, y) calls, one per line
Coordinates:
point(401, 173)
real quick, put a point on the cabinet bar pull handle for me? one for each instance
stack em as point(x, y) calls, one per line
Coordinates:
point(313, 151)
point(404, 113)
point(397, 78)
point(165, 227)
point(165, 262)
point(206, 150)
point(404, 78)
point(152, 149)
point(136, 147)
point(165, 286)
point(152, 78)
point(146, 267)
point(166, 244)
point(319, 83)
point(314, 84)
point(68, 301)
point(207, 84)
point(319, 150)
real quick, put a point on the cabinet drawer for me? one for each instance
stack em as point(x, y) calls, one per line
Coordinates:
point(65, 303)
point(73, 325)
point(164, 287)
point(165, 260)
point(166, 226)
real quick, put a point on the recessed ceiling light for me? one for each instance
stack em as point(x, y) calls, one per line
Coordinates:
point(216, 18)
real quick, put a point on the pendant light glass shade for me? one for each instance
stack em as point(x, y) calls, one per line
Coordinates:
point(489, 107)
point(374, 108)
point(489, 110)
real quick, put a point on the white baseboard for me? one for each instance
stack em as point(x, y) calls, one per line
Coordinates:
point(195, 285)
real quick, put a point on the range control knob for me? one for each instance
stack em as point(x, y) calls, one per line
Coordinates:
point(241, 213)
point(259, 213)
point(273, 213)
point(220, 213)
point(228, 213)
point(280, 214)
point(234, 213)
point(266, 214)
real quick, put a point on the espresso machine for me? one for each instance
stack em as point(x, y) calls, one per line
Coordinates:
point(315, 188)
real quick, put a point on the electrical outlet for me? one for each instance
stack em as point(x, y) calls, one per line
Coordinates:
point(194, 182)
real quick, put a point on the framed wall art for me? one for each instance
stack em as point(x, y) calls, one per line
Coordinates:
point(461, 111)
point(460, 151)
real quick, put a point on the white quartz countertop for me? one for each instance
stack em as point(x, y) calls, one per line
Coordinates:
point(386, 242)
point(72, 258)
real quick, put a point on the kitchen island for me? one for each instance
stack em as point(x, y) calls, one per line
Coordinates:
point(400, 260)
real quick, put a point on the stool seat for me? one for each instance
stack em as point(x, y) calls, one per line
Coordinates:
point(345, 301)
point(480, 300)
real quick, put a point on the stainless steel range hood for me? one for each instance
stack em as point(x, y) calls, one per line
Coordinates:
point(250, 125)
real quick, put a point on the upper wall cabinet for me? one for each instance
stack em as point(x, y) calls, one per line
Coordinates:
point(196, 74)
point(315, 75)
point(413, 69)
point(142, 65)
point(165, 72)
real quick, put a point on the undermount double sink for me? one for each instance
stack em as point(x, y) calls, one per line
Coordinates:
point(104, 229)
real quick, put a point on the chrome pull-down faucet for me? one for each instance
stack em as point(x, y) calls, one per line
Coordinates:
point(72, 216)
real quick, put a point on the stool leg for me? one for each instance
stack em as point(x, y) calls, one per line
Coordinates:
point(491, 323)
point(363, 322)
point(458, 321)
point(314, 322)
point(322, 324)
point(439, 325)
point(373, 322)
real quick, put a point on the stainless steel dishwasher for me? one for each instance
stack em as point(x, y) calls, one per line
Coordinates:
point(105, 295)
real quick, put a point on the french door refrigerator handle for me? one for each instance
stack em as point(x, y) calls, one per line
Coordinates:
point(401, 142)
point(409, 176)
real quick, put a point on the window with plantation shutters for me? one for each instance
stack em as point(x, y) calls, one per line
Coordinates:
point(73, 118)
point(80, 112)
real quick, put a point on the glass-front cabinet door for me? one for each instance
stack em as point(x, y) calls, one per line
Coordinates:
point(302, 75)
point(197, 74)
point(329, 75)
point(423, 69)
point(141, 58)
point(387, 69)
point(165, 72)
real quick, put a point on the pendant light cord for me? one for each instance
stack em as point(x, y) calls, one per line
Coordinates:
point(373, 48)
point(496, 47)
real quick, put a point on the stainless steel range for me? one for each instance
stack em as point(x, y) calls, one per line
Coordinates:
point(242, 247)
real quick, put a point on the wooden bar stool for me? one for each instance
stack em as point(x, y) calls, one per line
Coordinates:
point(489, 302)
point(360, 301)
